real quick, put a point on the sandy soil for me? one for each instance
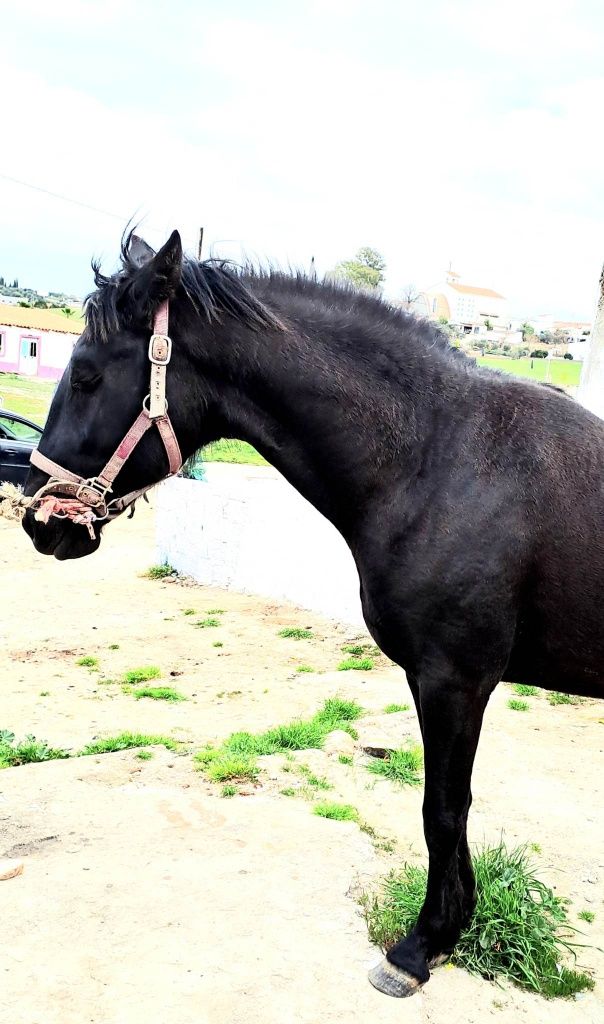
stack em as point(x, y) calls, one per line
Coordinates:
point(148, 897)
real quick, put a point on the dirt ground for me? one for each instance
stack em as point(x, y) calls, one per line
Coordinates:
point(146, 896)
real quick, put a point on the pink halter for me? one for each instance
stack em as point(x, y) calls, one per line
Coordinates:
point(69, 496)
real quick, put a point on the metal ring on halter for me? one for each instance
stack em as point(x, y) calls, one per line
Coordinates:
point(147, 408)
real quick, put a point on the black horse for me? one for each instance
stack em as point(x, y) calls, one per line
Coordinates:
point(472, 502)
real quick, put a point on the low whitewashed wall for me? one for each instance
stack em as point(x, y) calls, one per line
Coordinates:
point(247, 529)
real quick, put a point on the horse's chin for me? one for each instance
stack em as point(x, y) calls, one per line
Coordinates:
point(63, 539)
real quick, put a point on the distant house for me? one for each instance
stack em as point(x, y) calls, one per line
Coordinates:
point(466, 306)
point(36, 342)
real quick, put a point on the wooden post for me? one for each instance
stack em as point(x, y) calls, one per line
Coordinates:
point(200, 245)
point(591, 388)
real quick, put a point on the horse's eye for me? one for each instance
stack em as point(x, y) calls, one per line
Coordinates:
point(88, 383)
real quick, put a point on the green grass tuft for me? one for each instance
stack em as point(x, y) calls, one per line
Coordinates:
point(159, 572)
point(114, 647)
point(357, 649)
point(402, 766)
point(142, 675)
point(215, 611)
point(144, 755)
point(87, 662)
point(207, 623)
point(587, 915)
point(304, 668)
point(344, 759)
point(27, 751)
point(228, 790)
point(336, 812)
point(391, 709)
point(294, 633)
point(44, 693)
point(360, 664)
point(554, 697)
point(218, 643)
point(525, 691)
point(288, 791)
point(517, 932)
point(517, 705)
point(189, 611)
point(159, 693)
point(219, 765)
point(127, 740)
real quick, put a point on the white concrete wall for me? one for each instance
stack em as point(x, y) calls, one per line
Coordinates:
point(247, 529)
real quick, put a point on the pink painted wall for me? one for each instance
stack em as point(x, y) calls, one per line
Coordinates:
point(54, 351)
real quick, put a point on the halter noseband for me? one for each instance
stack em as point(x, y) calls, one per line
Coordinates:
point(69, 496)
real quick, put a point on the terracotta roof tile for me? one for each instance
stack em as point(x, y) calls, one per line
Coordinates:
point(39, 320)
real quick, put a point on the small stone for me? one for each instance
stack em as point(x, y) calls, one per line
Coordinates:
point(338, 742)
point(10, 869)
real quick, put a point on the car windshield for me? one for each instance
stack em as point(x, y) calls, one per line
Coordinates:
point(15, 430)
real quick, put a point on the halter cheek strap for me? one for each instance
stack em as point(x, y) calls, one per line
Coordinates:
point(67, 495)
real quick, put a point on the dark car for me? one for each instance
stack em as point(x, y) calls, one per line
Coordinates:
point(18, 438)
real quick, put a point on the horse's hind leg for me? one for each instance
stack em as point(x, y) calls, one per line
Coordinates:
point(451, 719)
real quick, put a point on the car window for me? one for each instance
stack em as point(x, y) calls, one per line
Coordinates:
point(15, 430)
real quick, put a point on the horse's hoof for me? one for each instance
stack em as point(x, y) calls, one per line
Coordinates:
point(393, 981)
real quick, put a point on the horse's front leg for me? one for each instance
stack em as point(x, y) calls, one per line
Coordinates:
point(451, 717)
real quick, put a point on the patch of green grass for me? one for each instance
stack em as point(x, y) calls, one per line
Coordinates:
point(189, 611)
point(535, 847)
point(357, 649)
point(288, 791)
point(554, 697)
point(563, 372)
point(517, 931)
point(228, 790)
point(237, 452)
point(391, 709)
point(218, 643)
point(304, 668)
point(159, 693)
point(144, 755)
point(125, 741)
point(87, 662)
point(159, 572)
point(360, 664)
point(587, 915)
point(114, 647)
point(312, 780)
point(517, 705)
point(525, 691)
point(26, 751)
point(239, 751)
point(44, 693)
point(26, 396)
point(344, 759)
point(216, 611)
point(207, 623)
point(336, 812)
point(402, 766)
point(142, 675)
point(295, 633)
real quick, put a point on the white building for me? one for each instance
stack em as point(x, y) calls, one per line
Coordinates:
point(473, 309)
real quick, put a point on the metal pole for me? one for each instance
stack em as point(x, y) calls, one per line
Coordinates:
point(591, 388)
point(199, 247)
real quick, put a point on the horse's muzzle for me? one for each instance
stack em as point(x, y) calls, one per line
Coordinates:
point(61, 537)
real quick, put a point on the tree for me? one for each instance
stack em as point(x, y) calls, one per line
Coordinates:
point(409, 295)
point(488, 324)
point(527, 329)
point(67, 311)
point(366, 270)
point(15, 283)
point(2, 282)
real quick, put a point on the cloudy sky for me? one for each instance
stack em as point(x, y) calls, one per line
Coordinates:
point(461, 131)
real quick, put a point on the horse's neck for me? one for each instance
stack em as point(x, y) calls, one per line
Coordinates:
point(331, 430)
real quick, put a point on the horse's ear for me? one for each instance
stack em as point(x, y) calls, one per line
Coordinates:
point(158, 278)
point(139, 252)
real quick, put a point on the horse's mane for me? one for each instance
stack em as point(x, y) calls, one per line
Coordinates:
point(261, 298)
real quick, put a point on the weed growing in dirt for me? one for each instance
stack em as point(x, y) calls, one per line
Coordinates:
point(238, 753)
point(391, 709)
point(295, 633)
point(88, 662)
point(587, 915)
point(535, 847)
point(114, 647)
point(159, 693)
point(360, 664)
point(215, 611)
point(207, 623)
point(304, 668)
point(336, 812)
point(44, 693)
point(525, 691)
point(126, 740)
point(554, 697)
point(144, 755)
point(189, 611)
point(402, 766)
point(357, 649)
point(228, 790)
point(344, 759)
point(142, 675)
point(288, 791)
point(218, 643)
point(26, 751)
point(159, 572)
point(517, 705)
point(517, 932)
point(314, 781)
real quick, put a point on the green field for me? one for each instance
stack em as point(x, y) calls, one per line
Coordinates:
point(564, 372)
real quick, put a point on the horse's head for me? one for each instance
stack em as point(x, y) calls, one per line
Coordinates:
point(101, 396)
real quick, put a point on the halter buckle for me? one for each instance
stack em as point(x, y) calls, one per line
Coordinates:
point(93, 493)
point(160, 349)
